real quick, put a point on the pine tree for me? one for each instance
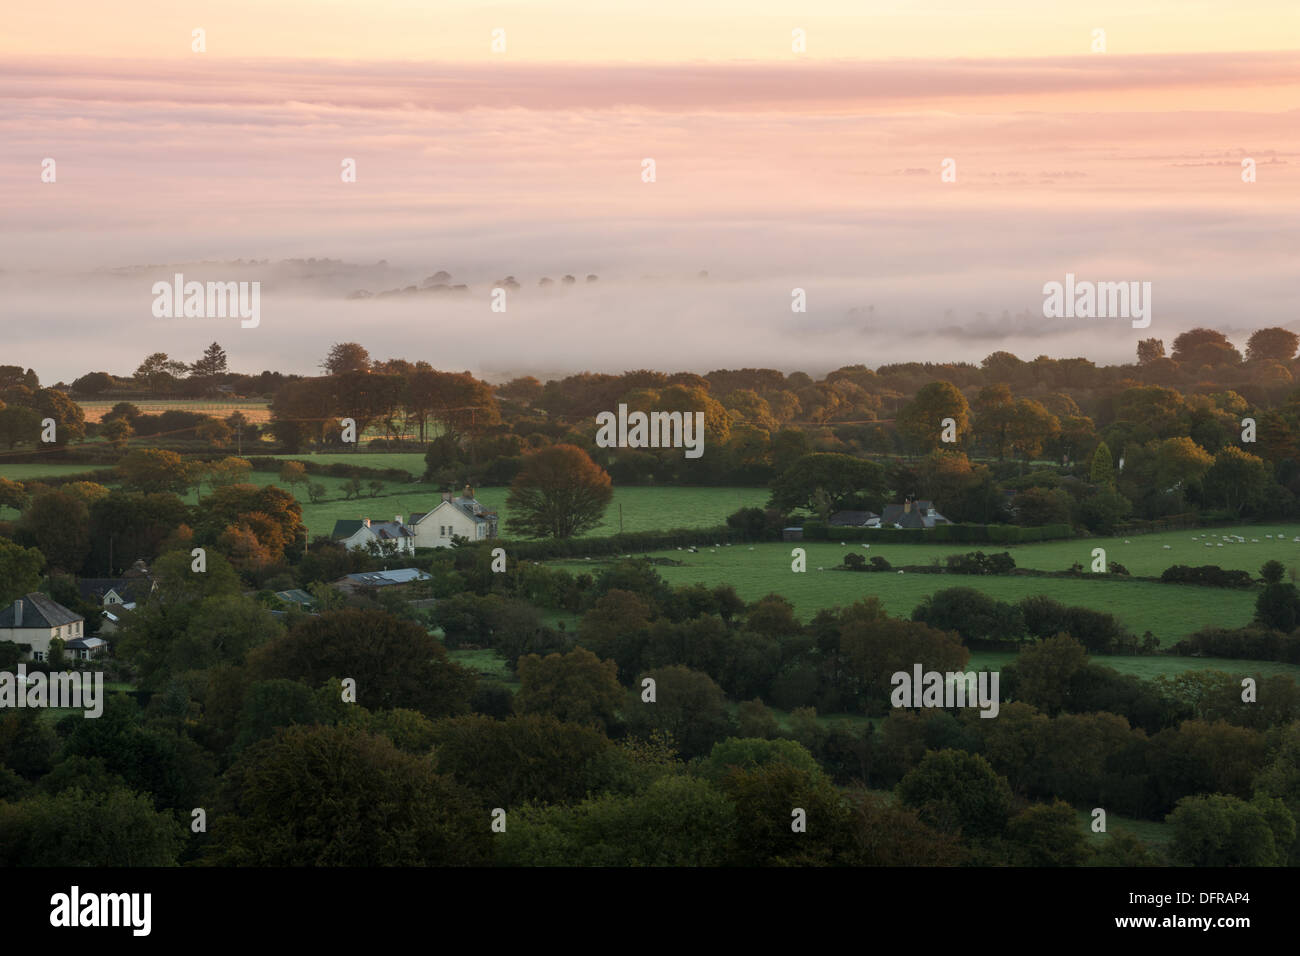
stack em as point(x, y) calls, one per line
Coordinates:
point(212, 363)
point(1103, 467)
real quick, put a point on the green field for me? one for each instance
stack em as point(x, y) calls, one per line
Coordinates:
point(1142, 554)
point(1148, 668)
point(52, 470)
point(1169, 611)
point(644, 509)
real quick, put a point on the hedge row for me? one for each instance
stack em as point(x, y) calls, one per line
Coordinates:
point(942, 534)
point(339, 470)
point(1247, 643)
point(1207, 575)
point(632, 542)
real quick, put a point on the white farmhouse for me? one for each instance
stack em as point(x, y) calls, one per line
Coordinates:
point(34, 620)
point(461, 517)
point(389, 537)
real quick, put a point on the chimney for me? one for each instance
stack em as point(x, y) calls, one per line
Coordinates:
point(907, 505)
point(366, 522)
point(18, 613)
point(469, 491)
point(397, 519)
point(446, 496)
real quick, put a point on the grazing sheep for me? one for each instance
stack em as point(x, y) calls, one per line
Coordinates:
point(1166, 547)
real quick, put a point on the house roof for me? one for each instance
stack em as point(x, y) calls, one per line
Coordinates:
point(384, 578)
point(346, 528)
point(918, 516)
point(129, 589)
point(296, 596)
point(38, 612)
point(851, 519)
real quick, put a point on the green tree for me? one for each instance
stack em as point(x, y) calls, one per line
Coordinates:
point(395, 663)
point(1103, 467)
point(338, 796)
point(953, 790)
point(19, 424)
point(689, 707)
point(154, 470)
point(97, 829)
point(1237, 479)
point(1221, 830)
point(840, 478)
point(577, 687)
point(1048, 835)
point(20, 570)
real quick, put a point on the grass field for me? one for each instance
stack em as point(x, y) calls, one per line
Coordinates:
point(1169, 611)
point(1142, 554)
point(644, 509)
point(1148, 668)
point(37, 471)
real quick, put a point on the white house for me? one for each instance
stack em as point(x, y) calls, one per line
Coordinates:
point(463, 516)
point(390, 537)
point(34, 620)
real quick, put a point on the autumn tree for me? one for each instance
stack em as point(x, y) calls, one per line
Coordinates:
point(1279, 344)
point(293, 474)
point(921, 421)
point(346, 357)
point(1204, 347)
point(559, 492)
point(1148, 350)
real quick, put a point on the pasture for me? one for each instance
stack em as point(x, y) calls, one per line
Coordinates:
point(1169, 611)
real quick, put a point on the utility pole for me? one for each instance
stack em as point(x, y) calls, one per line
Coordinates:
point(620, 517)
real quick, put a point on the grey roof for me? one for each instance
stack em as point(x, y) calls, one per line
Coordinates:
point(129, 589)
point(85, 643)
point(38, 611)
point(918, 516)
point(473, 510)
point(296, 596)
point(384, 578)
point(851, 519)
point(346, 528)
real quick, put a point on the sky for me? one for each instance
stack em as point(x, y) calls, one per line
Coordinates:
point(774, 170)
